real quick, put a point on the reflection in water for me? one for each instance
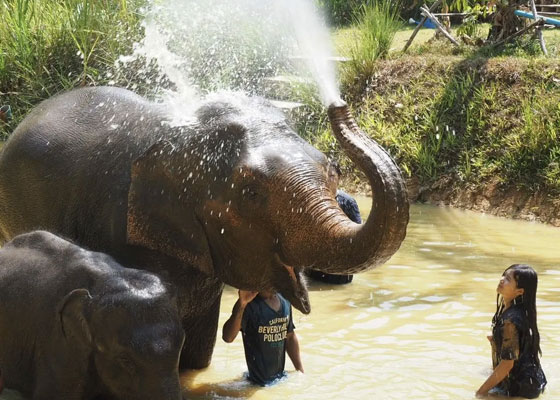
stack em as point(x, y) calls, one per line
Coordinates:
point(414, 328)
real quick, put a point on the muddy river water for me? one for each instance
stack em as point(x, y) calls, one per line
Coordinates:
point(414, 328)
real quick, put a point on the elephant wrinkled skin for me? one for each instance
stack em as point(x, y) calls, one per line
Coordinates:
point(74, 324)
point(231, 195)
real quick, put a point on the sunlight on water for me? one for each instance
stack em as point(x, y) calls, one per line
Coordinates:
point(414, 328)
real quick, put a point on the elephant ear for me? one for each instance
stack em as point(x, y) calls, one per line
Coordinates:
point(159, 215)
point(71, 312)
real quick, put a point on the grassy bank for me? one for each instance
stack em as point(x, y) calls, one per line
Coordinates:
point(468, 113)
point(461, 112)
point(47, 46)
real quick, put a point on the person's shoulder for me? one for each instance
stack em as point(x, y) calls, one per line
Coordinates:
point(515, 315)
point(343, 195)
point(284, 301)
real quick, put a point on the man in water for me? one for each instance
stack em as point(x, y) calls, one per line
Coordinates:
point(265, 319)
point(350, 208)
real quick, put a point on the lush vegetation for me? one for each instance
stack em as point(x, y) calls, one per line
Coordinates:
point(47, 46)
point(475, 119)
point(469, 113)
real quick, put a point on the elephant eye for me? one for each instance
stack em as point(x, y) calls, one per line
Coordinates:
point(249, 192)
point(127, 363)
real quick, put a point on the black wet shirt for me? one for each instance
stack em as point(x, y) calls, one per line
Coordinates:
point(349, 205)
point(264, 339)
point(512, 341)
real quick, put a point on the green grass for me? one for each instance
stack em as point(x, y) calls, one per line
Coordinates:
point(471, 113)
point(344, 39)
point(47, 46)
point(472, 118)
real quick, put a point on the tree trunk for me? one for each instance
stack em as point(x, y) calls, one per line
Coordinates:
point(505, 23)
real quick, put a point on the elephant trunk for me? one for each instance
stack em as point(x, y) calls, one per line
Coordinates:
point(349, 247)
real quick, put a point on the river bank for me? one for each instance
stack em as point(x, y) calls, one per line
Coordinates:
point(489, 198)
point(469, 131)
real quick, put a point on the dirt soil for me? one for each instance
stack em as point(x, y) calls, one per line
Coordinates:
point(490, 198)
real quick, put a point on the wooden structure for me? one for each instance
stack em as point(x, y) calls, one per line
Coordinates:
point(540, 20)
point(541, 13)
point(428, 13)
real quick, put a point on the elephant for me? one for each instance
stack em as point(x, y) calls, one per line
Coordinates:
point(221, 192)
point(75, 324)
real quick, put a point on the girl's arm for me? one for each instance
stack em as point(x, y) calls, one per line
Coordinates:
point(498, 375)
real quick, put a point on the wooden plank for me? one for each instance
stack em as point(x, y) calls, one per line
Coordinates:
point(329, 58)
point(290, 79)
point(427, 13)
point(286, 105)
point(520, 32)
point(450, 14)
point(433, 7)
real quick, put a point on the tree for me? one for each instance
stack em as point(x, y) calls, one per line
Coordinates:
point(504, 23)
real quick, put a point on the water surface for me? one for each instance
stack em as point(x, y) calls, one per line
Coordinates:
point(414, 328)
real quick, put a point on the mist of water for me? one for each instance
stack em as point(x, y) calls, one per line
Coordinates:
point(202, 46)
point(315, 45)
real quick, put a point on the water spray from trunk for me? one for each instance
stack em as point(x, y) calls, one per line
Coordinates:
point(202, 46)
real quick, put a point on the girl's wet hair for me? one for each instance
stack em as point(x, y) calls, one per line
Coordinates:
point(526, 278)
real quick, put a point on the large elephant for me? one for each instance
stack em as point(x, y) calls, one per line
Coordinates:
point(226, 194)
point(76, 325)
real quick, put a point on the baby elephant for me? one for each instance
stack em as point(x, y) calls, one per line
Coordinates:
point(75, 324)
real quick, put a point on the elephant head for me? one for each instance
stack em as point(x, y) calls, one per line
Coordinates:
point(134, 358)
point(239, 195)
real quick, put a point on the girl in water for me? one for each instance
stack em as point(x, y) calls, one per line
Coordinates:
point(515, 337)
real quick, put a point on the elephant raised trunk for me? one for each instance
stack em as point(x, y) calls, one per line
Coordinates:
point(349, 247)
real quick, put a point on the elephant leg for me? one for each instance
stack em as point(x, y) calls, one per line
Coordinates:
point(200, 337)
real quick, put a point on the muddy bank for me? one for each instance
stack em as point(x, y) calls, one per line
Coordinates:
point(490, 198)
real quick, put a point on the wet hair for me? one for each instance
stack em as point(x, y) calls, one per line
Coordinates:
point(526, 278)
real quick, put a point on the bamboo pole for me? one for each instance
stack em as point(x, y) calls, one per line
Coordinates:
point(433, 7)
point(438, 24)
point(538, 28)
point(520, 32)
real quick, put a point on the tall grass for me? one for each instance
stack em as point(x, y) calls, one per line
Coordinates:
point(472, 121)
point(47, 46)
point(377, 22)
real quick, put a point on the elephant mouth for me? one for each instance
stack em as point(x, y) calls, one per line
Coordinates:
point(291, 284)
